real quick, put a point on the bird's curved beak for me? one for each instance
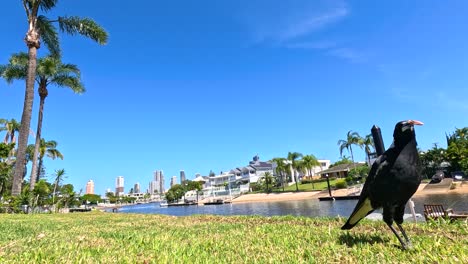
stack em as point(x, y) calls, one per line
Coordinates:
point(415, 122)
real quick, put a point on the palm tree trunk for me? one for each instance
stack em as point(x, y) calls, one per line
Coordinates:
point(282, 180)
point(295, 179)
point(2, 186)
point(43, 94)
point(33, 45)
point(53, 195)
point(311, 179)
point(39, 169)
point(352, 156)
point(292, 172)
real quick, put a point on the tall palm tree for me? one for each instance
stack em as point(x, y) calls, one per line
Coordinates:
point(10, 126)
point(309, 162)
point(59, 175)
point(460, 133)
point(28, 157)
point(42, 28)
point(352, 138)
point(49, 149)
point(5, 167)
point(281, 168)
point(268, 180)
point(50, 71)
point(293, 158)
point(367, 143)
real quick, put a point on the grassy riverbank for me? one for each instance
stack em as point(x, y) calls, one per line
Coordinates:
point(122, 238)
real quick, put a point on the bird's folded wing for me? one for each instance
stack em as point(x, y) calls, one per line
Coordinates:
point(364, 207)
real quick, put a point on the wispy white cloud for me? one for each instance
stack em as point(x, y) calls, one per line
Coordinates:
point(430, 99)
point(308, 25)
point(330, 48)
point(280, 22)
point(292, 24)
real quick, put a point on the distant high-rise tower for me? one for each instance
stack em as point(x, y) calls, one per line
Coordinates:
point(136, 188)
point(119, 186)
point(153, 187)
point(173, 181)
point(182, 177)
point(90, 187)
point(159, 181)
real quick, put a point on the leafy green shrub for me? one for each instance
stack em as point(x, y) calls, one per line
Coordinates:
point(256, 187)
point(306, 181)
point(349, 179)
point(359, 172)
point(341, 184)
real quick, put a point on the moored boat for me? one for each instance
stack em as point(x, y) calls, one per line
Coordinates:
point(217, 201)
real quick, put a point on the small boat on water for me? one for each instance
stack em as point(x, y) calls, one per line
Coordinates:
point(217, 201)
point(163, 204)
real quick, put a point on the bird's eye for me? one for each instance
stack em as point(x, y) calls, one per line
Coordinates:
point(406, 127)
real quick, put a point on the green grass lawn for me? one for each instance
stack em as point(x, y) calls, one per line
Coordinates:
point(318, 186)
point(129, 238)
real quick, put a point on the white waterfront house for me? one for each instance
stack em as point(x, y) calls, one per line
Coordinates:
point(324, 165)
point(240, 178)
point(222, 179)
point(251, 173)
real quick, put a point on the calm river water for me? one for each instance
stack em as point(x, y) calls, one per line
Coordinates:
point(458, 202)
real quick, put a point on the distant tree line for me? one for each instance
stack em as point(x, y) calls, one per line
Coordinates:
point(453, 158)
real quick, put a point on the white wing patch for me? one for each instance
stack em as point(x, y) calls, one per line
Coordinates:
point(360, 213)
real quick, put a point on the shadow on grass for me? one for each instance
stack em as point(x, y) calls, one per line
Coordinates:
point(353, 239)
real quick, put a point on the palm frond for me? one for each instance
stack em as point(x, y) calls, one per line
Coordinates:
point(84, 26)
point(54, 153)
point(341, 142)
point(69, 68)
point(342, 147)
point(13, 73)
point(46, 5)
point(72, 82)
point(16, 69)
point(49, 35)
point(20, 58)
point(47, 66)
point(50, 143)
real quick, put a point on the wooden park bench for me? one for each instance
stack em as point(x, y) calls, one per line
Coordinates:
point(435, 211)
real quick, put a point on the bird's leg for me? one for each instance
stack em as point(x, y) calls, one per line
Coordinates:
point(399, 213)
point(408, 242)
point(388, 212)
point(403, 244)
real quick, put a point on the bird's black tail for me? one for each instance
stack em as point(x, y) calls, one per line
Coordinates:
point(363, 208)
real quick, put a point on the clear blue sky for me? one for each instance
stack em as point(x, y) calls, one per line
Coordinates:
point(200, 85)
